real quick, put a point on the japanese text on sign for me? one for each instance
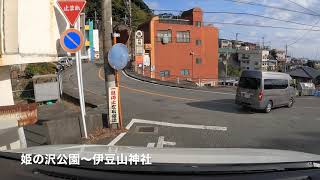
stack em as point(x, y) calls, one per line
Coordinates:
point(71, 8)
point(113, 105)
point(97, 159)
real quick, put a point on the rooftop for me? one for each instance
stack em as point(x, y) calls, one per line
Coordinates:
point(305, 72)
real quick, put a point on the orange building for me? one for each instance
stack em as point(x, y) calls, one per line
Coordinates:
point(181, 49)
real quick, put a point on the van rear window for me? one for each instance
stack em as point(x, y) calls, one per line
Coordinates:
point(249, 83)
point(275, 84)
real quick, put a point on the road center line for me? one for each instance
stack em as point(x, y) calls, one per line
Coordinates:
point(194, 90)
point(157, 94)
point(151, 93)
point(201, 127)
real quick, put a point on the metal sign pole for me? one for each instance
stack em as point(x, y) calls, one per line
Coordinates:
point(80, 87)
point(81, 75)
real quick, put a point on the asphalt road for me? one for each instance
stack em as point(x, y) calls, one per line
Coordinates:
point(202, 119)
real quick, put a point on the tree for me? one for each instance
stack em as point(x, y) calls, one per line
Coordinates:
point(233, 71)
point(140, 11)
point(310, 64)
point(273, 53)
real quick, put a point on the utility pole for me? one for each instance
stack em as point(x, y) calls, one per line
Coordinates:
point(263, 42)
point(236, 46)
point(107, 44)
point(95, 19)
point(286, 56)
point(130, 40)
point(237, 34)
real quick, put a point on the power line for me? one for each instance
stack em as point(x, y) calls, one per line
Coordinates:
point(240, 13)
point(308, 9)
point(255, 25)
point(263, 26)
point(298, 39)
point(273, 7)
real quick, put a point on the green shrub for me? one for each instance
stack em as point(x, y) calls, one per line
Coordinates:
point(40, 69)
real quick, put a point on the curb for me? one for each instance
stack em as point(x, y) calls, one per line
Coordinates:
point(155, 81)
point(164, 83)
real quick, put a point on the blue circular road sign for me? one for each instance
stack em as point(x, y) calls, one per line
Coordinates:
point(118, 56)
point(72, 40)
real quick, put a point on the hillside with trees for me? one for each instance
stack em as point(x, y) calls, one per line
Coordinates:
point(140, 12)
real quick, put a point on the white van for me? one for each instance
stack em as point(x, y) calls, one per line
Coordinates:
point(265, 90)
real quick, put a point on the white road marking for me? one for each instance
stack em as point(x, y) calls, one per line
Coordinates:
point(194, 90)
point(215, 128)
point(115, 140)
point(151, 145)
point(202, 127)
point(160, 142)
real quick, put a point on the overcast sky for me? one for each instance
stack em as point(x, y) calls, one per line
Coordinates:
point(308, 44)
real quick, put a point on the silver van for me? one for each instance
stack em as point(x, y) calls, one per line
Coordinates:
point(265, 90)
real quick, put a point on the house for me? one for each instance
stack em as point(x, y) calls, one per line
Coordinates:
point(256, 60)
point(306, 74)
point(181, 48)
point(224, 43)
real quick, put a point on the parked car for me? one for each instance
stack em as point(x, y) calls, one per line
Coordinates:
point(65, 62)
point(265, 90)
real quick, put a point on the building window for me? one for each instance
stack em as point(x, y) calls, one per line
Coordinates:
point(198, 42)
point(165, 73)
point(183, 36)
point(198, 61)
point(164, 34)
point(185, 72)
point(198, 23)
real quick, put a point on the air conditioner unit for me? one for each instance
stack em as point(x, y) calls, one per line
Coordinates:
point(165, 40)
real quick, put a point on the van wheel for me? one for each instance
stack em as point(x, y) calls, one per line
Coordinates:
point(268, 107)
point(290, 104)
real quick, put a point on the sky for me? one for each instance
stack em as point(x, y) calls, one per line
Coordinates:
point(307, 42)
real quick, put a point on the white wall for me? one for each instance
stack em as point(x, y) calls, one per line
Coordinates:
point(31, 30)
point(6, 97)
point(96, 39)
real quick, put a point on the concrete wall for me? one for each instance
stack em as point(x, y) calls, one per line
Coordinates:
point(30, 31)
point(6, 97)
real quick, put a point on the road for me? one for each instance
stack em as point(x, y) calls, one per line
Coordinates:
point(159, 116)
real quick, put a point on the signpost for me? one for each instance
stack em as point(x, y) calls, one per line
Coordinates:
point(72, 41)
point(118, 58)
point(139, 43)
point(114, 105)
point(71, 9)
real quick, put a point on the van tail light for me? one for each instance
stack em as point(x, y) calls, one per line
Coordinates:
point(260, 96)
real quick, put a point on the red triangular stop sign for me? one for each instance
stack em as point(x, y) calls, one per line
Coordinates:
point(72, 9)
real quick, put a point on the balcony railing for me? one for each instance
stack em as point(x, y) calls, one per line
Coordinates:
point(175, 21)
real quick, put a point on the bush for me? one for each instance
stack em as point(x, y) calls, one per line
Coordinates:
point(234, 71)
point(40, 69)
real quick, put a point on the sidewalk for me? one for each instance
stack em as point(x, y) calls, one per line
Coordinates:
point(71, 92)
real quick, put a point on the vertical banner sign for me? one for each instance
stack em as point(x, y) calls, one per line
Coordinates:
point(113, 105)
point(72, 9)
point(139, 44)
